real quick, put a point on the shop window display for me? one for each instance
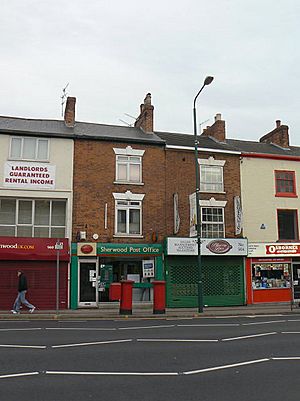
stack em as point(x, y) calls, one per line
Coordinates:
point(270, 275)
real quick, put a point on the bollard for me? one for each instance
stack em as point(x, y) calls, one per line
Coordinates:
point(159, 297)
point(126, 297)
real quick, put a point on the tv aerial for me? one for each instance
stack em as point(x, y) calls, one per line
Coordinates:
point(63, 98)
point(125, 122)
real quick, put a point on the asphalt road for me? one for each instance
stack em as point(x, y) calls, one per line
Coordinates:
point(207, 359)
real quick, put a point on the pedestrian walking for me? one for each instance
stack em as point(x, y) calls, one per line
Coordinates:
point(22, 288)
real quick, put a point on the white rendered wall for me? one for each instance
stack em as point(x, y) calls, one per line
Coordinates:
point(259, 202)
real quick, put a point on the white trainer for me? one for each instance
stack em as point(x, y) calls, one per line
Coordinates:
point(32, 310)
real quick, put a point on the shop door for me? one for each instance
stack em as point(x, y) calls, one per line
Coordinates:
point(296, 281)
point(88, 294)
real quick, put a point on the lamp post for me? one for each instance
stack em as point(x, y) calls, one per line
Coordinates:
point(207, 81)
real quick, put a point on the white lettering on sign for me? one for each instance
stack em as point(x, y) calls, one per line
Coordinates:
point(29, 175)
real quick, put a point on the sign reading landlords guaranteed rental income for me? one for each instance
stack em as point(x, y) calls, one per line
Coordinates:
point(29, 175)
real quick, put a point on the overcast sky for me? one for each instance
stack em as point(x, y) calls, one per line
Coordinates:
point(114, 52)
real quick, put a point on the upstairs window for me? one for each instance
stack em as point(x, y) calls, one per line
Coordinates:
point(211, 175)
point(285, 183)
point(212, 223)
point(287, 225)
point(129, 165)
point(32, 218)
point(27, 148)
point(128, 214)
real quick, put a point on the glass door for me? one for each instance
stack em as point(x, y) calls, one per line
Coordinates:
point(296, 281)
point(87, 283)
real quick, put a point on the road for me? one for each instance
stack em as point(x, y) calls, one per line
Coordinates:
point(207, 359)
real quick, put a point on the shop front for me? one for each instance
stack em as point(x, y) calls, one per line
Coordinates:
point(273, 272)
point(222, 265)
point(40, 259)
point(98, 268)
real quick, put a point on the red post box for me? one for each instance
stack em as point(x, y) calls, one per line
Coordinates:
point(115, 292)
point(126, 297)
point(159, 297)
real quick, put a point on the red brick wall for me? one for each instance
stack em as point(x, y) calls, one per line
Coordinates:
point(181, 179)
point(94, 176)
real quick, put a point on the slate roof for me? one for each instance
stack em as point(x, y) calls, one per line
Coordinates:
point(233, 145)
point(117, 133)
point(57, 128)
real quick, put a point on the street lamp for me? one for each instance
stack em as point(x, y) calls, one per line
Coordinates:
point(207, 81)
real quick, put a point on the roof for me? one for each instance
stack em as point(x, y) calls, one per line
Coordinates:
point(117, 133)
point(57, 128)
point(231, 145)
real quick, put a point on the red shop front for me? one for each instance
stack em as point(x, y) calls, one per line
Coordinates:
point(272, 272)
point(39, 259)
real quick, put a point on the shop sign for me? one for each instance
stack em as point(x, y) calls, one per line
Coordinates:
point(193, 215)
point(17, 248)
point(86, 249)
point(129, 249)
point(188, 246)
point(276, 249)
point(29, 175)
point(238, 215)
point(176, 214)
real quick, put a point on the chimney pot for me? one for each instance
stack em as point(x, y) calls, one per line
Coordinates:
point(218, 117)
point(278, 123)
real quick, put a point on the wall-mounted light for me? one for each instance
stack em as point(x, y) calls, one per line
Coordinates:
point(263, 226)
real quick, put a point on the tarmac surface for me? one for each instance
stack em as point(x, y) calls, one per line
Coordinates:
point(145, 311)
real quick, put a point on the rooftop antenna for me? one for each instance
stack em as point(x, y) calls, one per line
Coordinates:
point(202, 123)
point(63, 98)
point(125, 122)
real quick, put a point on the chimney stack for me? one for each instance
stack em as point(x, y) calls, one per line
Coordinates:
point(279, 136)
point(69, 116)
point(217, 130)
point(145, 119)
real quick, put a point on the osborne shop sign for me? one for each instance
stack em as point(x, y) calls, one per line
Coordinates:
point(29, 175)
point(222, 247)
point(17, 248)
point(273, 249)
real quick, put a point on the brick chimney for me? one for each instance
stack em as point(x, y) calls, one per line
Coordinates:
point(145, 119)
point(69, 116)
point(217, 130)
point(279, 136)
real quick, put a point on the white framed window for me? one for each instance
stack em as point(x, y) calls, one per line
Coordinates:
point(128, 214)
point(28, 148)
point(129, 165)
point(212, 222)
point(33, 218)
point(211, 175)
point(212, 218)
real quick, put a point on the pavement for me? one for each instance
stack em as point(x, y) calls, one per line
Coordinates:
point(145, 311)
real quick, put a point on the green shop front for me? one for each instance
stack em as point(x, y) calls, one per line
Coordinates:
point(96, 268)
point(222, 266)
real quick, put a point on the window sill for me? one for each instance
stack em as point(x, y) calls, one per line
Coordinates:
point(28, 160)
point(212, 192)
point(286, 195)
point(128, 236)
point(128, 183)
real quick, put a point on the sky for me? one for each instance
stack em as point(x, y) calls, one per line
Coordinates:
point(112, 53)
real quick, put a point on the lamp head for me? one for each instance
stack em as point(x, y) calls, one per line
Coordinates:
point(208, 80)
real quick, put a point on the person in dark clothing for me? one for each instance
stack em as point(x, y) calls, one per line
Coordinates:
point(22, 288)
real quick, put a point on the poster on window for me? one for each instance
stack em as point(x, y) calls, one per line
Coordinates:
point(193, 215)
point(148, 268)
point(29, 175)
